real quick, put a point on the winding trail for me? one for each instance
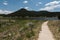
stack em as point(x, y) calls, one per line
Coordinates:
point(45, 33)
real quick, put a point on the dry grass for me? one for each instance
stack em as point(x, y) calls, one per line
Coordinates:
point(55, 28)
point(17, 29)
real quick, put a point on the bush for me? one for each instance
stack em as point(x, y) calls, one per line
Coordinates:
point(0, 25)
point(58, 17)
point(19, 38)
point(28, 35)
point(59, 29)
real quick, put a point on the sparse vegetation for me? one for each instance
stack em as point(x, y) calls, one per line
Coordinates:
point(16, 29)
point(55, 28)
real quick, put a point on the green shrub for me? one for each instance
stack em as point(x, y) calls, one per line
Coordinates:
point(19, 38)
point(28, 35)
point(0, 25)
point(59, 29)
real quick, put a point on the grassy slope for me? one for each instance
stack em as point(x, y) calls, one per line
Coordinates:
point(17, 29)
point(55, 28)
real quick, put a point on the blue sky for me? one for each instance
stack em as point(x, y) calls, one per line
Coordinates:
point(8, 6)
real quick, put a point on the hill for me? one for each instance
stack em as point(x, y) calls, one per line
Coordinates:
point(26, 13)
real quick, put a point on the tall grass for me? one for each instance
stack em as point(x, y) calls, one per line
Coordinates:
point(55, 28)
point(18, 29)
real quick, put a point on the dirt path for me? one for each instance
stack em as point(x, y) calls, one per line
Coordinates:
point(45, 33)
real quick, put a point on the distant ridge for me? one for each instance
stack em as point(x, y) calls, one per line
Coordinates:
point(23, 13)
point(41, 13)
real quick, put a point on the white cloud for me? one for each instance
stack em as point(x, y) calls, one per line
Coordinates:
point(49, 8)
point(38, 3)
point(5, 3)
point(51, 5)
point(25, 2)
point(5, 12)
point(26, 7)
